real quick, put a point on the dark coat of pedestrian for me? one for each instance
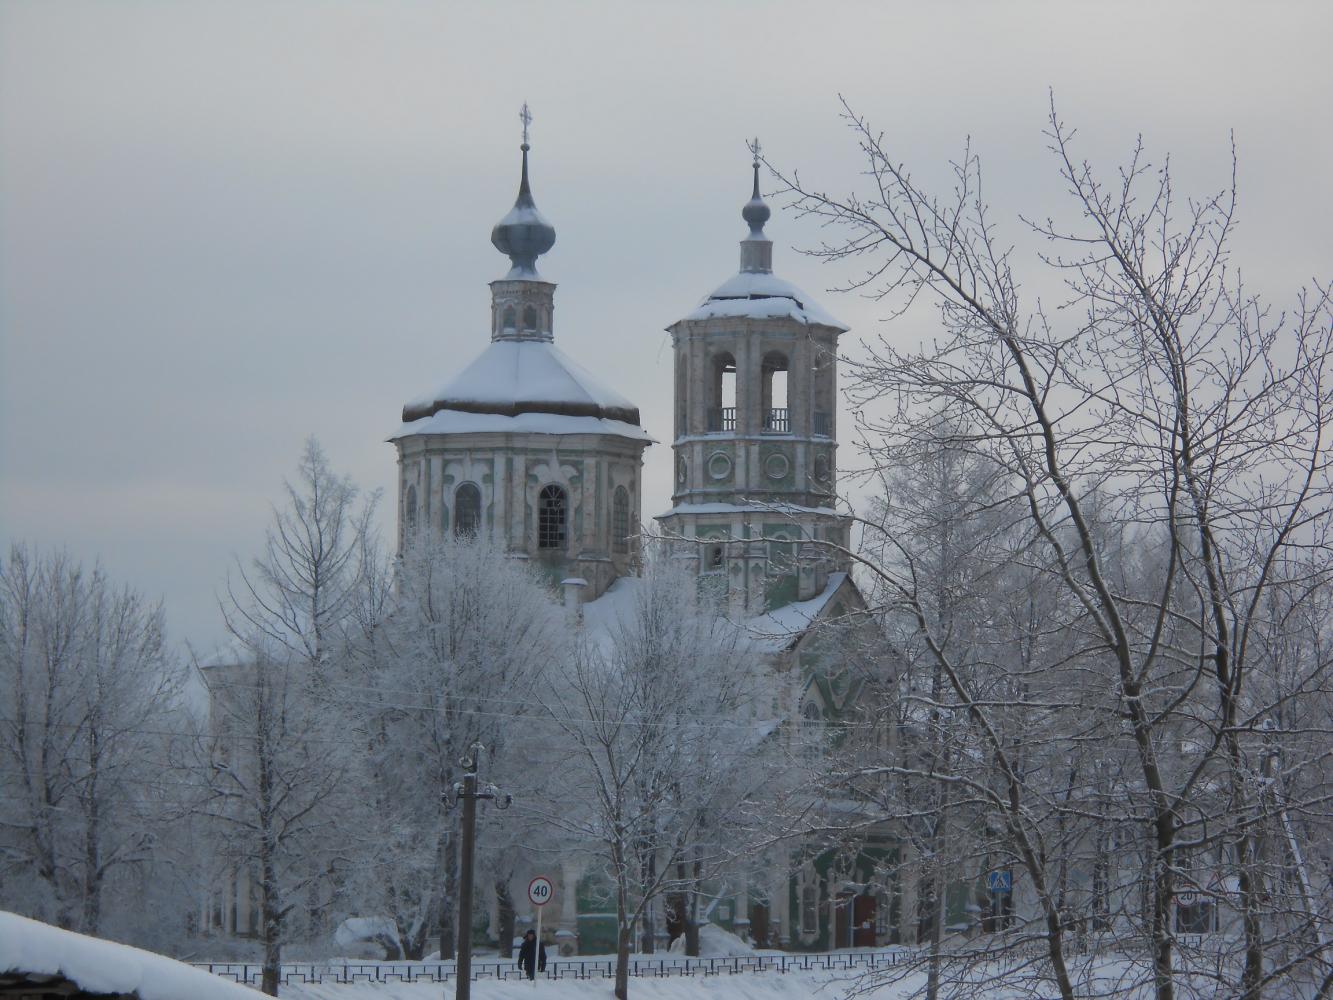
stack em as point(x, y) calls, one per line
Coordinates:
point(525, 955)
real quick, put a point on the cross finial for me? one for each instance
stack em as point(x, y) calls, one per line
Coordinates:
point(756, 149)
point(525, 116)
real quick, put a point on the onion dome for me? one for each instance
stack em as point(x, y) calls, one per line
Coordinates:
point(756, 212)
point(524, 234)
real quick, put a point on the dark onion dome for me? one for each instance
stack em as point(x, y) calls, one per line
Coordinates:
point(523, 234)
point(756, 212)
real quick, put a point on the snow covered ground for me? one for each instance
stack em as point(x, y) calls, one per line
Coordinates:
point(753, 986)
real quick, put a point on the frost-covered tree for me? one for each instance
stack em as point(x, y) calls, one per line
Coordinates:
point(301, 592)
point(271, 774)
point(276, 753)
point(655, 708)
point(1165, 438)
point(454, 658)
point(88, 689)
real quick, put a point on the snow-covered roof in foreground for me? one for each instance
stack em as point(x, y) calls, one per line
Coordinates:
point(513, 377)
point(762, 295)
point(97, 966)
point(779, 628)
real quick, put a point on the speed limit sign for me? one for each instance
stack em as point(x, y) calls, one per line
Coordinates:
point(540, 890)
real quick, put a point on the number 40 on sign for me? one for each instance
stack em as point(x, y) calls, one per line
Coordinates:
point(540, 891)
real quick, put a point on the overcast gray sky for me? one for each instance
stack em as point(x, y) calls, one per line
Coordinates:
point(226, 226)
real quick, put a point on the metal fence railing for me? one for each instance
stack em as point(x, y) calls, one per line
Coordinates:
point(652, 967)
point(564, 968)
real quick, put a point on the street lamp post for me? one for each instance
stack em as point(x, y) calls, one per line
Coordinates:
point(468, 793)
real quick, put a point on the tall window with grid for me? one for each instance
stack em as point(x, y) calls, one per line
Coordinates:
point(552, 514)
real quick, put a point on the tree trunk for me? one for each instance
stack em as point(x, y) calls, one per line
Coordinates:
point(939, 905)
point(624, 933)
point(271, 912)
point(92, 872)
point(505, 904)
point(692, 913)
point(448, 932)
point(647, 876)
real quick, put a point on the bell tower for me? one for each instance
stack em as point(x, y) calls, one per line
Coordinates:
point(755, 433)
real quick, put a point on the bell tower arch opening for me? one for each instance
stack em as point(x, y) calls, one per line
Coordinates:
point(773, 393)
point(722, 399)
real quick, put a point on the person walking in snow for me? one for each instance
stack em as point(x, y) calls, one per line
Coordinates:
point(525, 955)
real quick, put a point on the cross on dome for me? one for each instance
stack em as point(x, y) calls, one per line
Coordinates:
point(525, 116)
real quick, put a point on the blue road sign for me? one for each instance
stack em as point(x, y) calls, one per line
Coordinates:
point(1000, 881)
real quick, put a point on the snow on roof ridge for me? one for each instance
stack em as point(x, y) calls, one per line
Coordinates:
point(757, 295)
point(745, 508)
point(779, 628)
point(525, 376)
point(446, 421)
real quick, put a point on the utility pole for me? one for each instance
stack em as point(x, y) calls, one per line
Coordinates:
point(468, 793)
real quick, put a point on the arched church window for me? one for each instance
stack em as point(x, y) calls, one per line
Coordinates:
point(812, 726)
point(722, 404)
point(620, 520)
point(529, 319)
point(467, 510)
point(552, 505)
point(510, 320)
point(773, 392)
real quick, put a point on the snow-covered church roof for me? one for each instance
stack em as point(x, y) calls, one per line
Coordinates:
point(763, 295)
point(755, 292)
point(513, 386)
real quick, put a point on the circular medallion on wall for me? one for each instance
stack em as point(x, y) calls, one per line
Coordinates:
point(719, 465)
point(776, 466)
point(682, 471)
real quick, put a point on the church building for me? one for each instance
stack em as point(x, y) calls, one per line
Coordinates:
point(529, 449)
